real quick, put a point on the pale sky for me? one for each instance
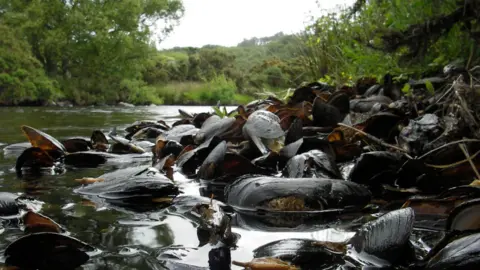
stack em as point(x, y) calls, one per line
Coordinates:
point(228, 22)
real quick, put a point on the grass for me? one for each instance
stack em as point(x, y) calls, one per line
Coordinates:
point(201, 93)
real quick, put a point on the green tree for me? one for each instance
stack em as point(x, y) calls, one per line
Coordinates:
point(22, 79)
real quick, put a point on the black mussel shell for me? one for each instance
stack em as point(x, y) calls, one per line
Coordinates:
point(47, 251)
point(419, 132)
point(8, 204)
point(366, 104)
point(148, 133)
point(138, 125)
point(98, 138)
point(386, 239)
point(200, 118)
point(376, 168)
point(341, 101)
point(179, 131)
point(189, 161)
point(88, 159)
point(210, 167)
point(302, 253)
point(33, 159)
point(76, 145)
point(213, 126)
point(314, 163)
point(307, 92)
point(252, 194)
point(295, 131)
point(461, 253)
point(131, 185)
point(383, 125)
point(324, 114)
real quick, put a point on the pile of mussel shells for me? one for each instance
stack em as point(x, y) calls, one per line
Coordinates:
point(390, 167)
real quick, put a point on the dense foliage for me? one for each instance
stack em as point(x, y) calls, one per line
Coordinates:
point(101, 52)
point(404, 38)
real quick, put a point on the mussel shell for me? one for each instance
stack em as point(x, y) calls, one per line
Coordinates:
point(47, 251)
point(87, 159)
point(370, 165)
point(147, 133)
point(300, 252)
point(76, 145)
point(8, 204)
point(295, 131)
point(200, 118)
point(385, 238)
point(462, 253)
point(323, 165)
point(138, 125)
point(42, 140)
point(324, 114)
point(341, 101)
point(213, 161)
point(178, 132)
point(465, 216)
point(213, 126)
point(263, 124)
point(419, 132)
point(249, 193)
point(131, 185)
point(33, 159)
point(366, 104)
point(98, 138)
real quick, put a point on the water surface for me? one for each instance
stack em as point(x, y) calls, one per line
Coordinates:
point(126, 240)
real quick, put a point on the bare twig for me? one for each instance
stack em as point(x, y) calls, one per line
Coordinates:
point(465, 152)
point(377, 140)
point(446, 145)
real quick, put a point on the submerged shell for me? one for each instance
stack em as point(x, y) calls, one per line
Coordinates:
point(47, 251)
point(250, 193)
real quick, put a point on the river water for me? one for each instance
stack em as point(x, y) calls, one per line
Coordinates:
point(125, 240)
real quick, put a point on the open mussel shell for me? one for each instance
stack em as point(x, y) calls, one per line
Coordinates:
point(189, 161)
point(384, 241)
point(47, 251)
point(42, 140)
point(465, 217)
point(34, 160)
point(263, 128)
point(461, 253)
point(295, 194)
